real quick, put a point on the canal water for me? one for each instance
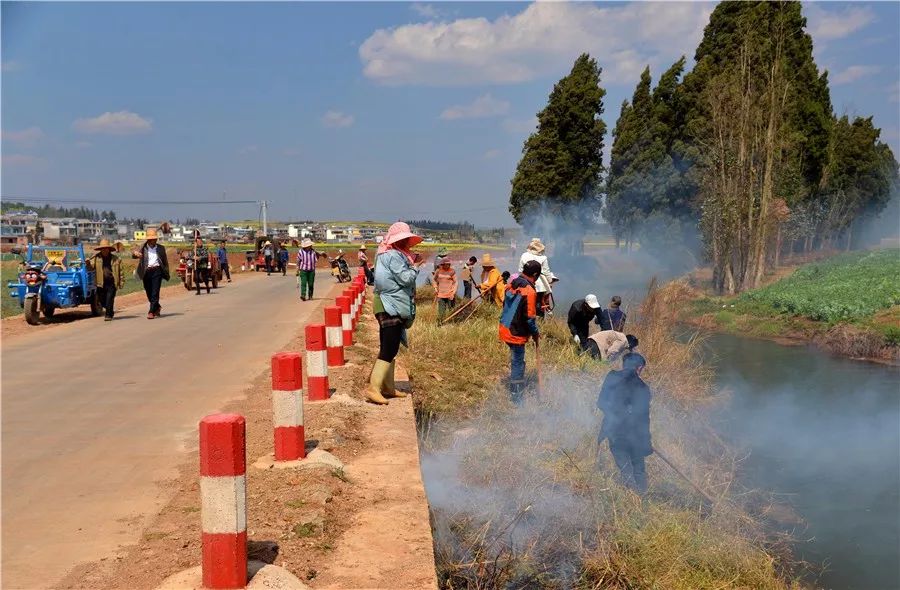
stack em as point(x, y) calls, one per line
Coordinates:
point(824, 434)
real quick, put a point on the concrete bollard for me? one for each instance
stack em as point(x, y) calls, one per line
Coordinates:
point(350, 294)
point(287, 406)
point(223, 500)
point(346, 323)
point(334, 339)
point(316, 363)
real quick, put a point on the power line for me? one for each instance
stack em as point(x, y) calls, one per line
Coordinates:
point(27, 200)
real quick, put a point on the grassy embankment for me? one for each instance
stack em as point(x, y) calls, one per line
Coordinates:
point(524, 497)
point(849, 304)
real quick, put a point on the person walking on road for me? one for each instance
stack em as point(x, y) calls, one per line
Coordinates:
point(445, 286)
point(268, 253)
point(608, 345)
point(152, 269)
point(222, 255)
point(581, 314)
point(108, 274)
point(491, 281)
point(201, 265)
point(613, 318)
point(535, 251)
point(394, 304)
point(306, 268)
point(518, 324)
point(364, 264)
point(467, 278)
point(283, 257)
point(625, 402)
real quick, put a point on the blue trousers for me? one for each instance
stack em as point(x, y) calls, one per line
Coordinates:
point(516, 372)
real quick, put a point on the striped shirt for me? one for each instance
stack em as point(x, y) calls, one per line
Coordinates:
point(306, 259)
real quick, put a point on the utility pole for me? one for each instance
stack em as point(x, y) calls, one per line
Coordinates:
point(265, 223)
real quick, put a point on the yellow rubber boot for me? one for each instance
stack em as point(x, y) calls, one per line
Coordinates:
point(388, 388)
point(376, 382)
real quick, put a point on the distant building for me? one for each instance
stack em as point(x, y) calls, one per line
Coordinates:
point(18, 228)
point(60, 228)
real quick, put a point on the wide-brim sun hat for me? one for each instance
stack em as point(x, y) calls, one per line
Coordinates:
point(362, 247)
point(400, 231)
point(442, 252)
point(104, 245)
point(592, 302)
point(486, 260)
point(536, 246)
point(306, 243)
point(152, 235)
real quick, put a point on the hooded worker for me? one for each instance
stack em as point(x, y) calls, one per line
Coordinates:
point(581, 314)
point(152, 269)
point(625, 402)
point(109, 276)
point(394, 304)
point(492, 286)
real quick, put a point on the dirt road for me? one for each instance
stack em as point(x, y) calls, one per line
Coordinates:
point(95, 415)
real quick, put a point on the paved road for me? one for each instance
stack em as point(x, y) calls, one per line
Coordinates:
point(95, 415)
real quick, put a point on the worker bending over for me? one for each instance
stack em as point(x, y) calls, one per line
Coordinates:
point(609, 345)
point(581, 314)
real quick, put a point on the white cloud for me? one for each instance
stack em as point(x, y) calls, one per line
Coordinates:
point(426, 10)
point(337, 119)
point(854, 73)
point(10, 66)
point(119, 123)
point(25, 137)
point(248, 149)
point(543, 39)
point(827, 25)
point(22, 160)
point(481, 107)
point(491, 154)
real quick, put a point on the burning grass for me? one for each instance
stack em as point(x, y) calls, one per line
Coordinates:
point(524, 498)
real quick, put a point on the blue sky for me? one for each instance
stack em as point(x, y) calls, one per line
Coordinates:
point(344, 110)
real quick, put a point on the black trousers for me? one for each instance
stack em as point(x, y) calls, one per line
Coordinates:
point(107, 297)
point(467, 289)
point(582, 333)
point(153, 278)
point(268, 265)
point(202, 274)
point(370, 276)
point(389, 335)
point(632, 471)
point(226, 271)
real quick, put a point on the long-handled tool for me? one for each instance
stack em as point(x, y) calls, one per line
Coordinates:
point(683, 476)
point(537, 363)
point(458, 311)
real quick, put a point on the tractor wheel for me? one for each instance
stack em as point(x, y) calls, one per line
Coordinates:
point(31, 310)
point(215, 280)
point(49, 310)
point(96, 308)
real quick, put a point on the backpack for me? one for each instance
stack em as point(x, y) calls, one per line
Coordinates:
point(515, 313)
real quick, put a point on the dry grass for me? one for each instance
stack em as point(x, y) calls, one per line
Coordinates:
point(525, 498)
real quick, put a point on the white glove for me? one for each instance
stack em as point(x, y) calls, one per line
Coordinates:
point(577, 339)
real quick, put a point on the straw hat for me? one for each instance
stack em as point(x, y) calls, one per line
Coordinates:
point(268, 243)
point(306, 243)
point(442, 252)
point(152, 235)
point(104, 245)
point(362, 246)
point(536, 246)
point(486, 260)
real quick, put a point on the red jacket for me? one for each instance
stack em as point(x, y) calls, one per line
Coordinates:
point(519, 334)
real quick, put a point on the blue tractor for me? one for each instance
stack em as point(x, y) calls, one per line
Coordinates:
point(54, 277)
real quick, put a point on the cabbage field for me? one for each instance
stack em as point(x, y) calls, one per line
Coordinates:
point(848, 287)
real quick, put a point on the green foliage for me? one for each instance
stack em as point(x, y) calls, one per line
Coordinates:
point(562, 162)
point(848, 287)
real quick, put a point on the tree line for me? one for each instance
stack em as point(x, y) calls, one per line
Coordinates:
point(463, 226)
point(53, 211)
point(741, 158)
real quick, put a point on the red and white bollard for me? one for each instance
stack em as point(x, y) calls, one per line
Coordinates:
point(346, 322)
point(350, 293)
point(316, 363)
point(334, 339)
point(223, 500)
point(287, 406)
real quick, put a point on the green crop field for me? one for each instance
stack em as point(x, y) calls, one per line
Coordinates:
point(849, 287)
